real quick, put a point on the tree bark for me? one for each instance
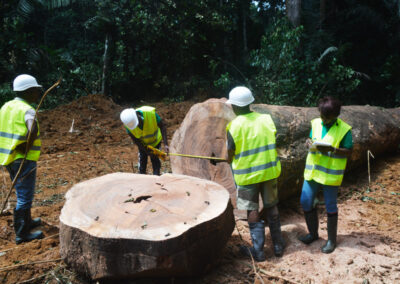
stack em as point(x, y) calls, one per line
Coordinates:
point(293, 11)
point(203, 133)
point(126, 225)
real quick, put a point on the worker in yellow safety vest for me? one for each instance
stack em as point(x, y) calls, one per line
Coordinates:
point(256, 167)
point(16, 122)
point(146, 128)
point(330, 145)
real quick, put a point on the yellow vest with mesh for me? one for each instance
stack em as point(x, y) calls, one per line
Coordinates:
point(327, 168)
point(13, 132)
point(256, 158)
point(151, 133)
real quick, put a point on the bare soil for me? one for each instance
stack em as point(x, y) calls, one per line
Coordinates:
point(369, 214)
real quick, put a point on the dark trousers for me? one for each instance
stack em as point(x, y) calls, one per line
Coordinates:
point(155, 162)
point(25, 185)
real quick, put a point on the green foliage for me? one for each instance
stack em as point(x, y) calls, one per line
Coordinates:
point(6, 93)
point(176, 49)
point(284, 76)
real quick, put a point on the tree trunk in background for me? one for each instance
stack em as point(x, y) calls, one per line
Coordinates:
point(322, 12)
point(108, 58)
point(124, 225)
point(293, 10)
point(244, 29)
point(203, 133)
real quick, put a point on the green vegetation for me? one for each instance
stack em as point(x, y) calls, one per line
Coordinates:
point(171, 50)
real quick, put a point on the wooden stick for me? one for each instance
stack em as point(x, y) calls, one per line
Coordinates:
point(369, 153)
point(6, 268)
point(26, 150)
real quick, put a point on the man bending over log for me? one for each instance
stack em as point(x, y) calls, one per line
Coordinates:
point(16, 122)
point(145, 127)
point(256, 167)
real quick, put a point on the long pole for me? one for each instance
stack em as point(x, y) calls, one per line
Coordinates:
point(26, 149)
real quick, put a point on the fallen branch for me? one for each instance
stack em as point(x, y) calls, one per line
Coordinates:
point(269, 274)
point(33, 279)
point(21, 246)
point(6, 268)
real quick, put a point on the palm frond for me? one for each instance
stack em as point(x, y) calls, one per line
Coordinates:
point(326, 52)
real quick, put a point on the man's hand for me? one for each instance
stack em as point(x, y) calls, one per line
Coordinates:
point(309, 143)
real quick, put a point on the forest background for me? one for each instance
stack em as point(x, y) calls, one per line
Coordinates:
point(288, 52)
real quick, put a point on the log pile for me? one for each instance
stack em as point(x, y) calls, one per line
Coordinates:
point(203, 133)
point(126, 225)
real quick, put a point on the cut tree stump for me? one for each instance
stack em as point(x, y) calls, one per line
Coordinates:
point(125, 225)
point(203, 133)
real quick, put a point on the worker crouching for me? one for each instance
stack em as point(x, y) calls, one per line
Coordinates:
point(17, 121)
point(145, 128)
point(330, 146)
point(256, 167)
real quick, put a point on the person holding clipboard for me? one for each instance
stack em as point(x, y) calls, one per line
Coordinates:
point(330, 145)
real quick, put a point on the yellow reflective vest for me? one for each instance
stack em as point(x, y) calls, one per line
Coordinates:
point(151, 133)
point(327, 168)
point(13, 132)
point(256, 159)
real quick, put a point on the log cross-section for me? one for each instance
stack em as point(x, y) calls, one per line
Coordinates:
point(126, 225)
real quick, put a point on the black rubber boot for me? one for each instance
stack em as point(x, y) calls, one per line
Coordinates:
point(33, 223)
point(274, 224)
point(21, 227)
point(332, 233)
point(257, 233)
point(312, 225)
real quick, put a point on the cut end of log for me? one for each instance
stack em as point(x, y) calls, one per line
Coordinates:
point(124, 205)
point(148, 225)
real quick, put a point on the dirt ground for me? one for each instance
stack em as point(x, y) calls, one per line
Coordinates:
point(369, 214)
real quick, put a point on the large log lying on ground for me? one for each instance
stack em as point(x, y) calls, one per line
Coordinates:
point(126, 225)
point(203, 133)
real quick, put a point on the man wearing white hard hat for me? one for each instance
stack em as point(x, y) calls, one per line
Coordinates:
point(256, 167)
point(145, 128)
point(16, 122)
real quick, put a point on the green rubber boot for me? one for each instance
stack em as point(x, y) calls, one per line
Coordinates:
point(312, 225)
point(257, 233)
point(332, 234)
point(21, 227)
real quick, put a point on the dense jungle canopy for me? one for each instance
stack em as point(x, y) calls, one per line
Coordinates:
point(287, 52)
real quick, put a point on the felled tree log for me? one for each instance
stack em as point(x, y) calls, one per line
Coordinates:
point(203, 133)
point(126, 225)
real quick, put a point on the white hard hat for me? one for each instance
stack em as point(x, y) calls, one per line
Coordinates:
point(129, 118)
point(24, 82)
point(240, 96)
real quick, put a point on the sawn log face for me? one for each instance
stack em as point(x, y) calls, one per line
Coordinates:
point(203, 132)
point(92, 243)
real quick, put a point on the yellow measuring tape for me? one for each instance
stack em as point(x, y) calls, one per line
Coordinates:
point(162, 155)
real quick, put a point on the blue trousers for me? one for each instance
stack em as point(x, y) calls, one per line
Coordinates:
point(310, 190)
point(25, 185)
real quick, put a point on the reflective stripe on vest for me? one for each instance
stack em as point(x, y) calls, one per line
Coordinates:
point(327, 168)
point(255, 159)
point(13, 132)
point(151, 133)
